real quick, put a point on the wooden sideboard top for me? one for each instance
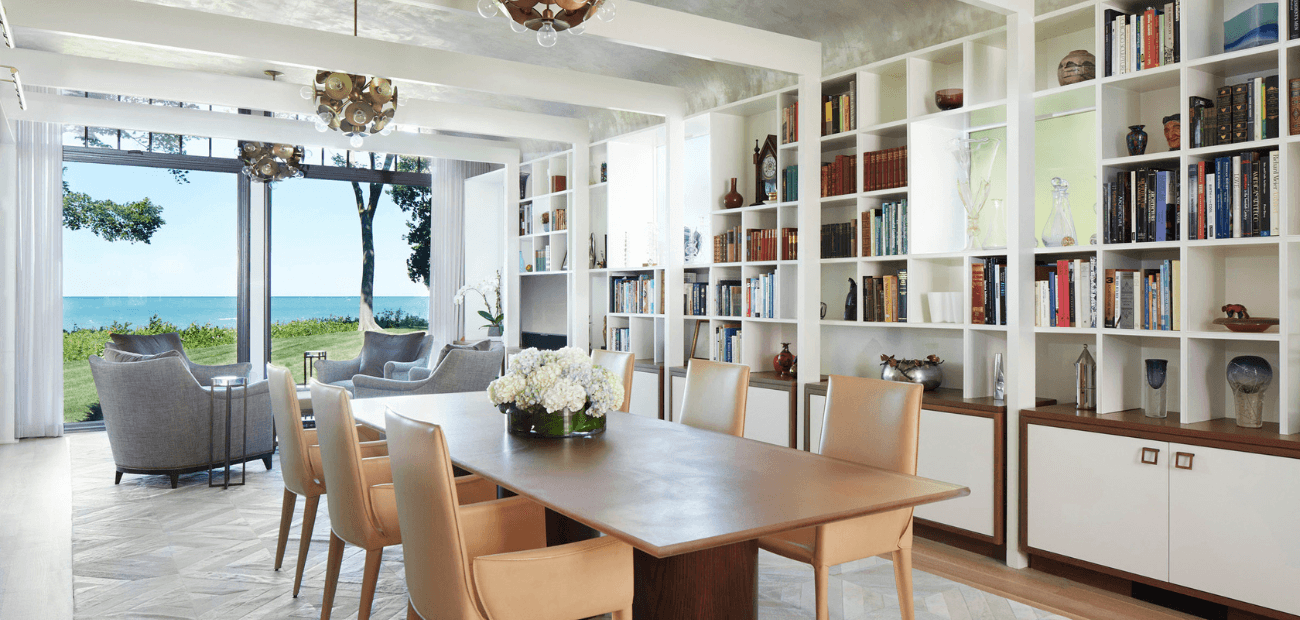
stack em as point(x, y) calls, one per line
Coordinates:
point(1132, 422)
point(950, 399)
point(766, 379)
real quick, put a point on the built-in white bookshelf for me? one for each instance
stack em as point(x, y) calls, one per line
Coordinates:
point(541, 247)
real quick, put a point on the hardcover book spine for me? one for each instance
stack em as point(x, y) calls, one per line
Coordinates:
point(1293, 103)
point(1274, 192)
point(1293, 19)
point(1271, 107)
point(1224, 114)
point(1240, 99)
point(1178, 27)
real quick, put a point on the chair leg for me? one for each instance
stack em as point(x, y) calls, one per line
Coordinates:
point(176, 479)
point(369, 579)
point(411, 614)
point(286, 520)
point(266, 460)
point(821, 582)
point(308, 524)
point(332, 565)
point(117, 479)
point(903, 576)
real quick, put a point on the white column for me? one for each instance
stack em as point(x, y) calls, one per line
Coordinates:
point(510, 277)
point(809, 343)
point(1021, 344)
point(8, 284)
point(579, 216)
point(259, 206)
point(673, 324)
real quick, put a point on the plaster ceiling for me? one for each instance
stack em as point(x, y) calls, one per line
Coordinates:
point(852, 33)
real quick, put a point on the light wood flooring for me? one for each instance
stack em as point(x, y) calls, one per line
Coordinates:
point(143, 550)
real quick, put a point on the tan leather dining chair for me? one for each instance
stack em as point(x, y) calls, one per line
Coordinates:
point(300, 464)
point(490, 560)
point(714, 397)
point(362, 506)
point(621, 364)
point(875, 423)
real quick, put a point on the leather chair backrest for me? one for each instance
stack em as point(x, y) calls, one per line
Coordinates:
point(872, 422)
point(622, 365)
point(714, 398)
point(438, 576)
point(294, 464)
point(351, 515)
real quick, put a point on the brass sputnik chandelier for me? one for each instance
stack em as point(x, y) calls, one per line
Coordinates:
point(268, 163)
point(548, 17)
point(356, 105)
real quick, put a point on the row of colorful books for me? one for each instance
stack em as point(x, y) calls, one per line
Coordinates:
point(696, 293)
point(839, 112)
point(885, 169)
point(1065, 293)
point(1239, 113)
point(1143, 40)
point(622, 339)
point(840, 177)
point(790, 123)
point(760, 296)
point(1234, 196)
point(838, 240)
point(790, 184)
point(727, 343)
point(988, 304)
point(727, 246)
point(1141, 206)
point(1144, 298)
point(634, 295)
point(728, 298)
point(886, 229)
point(884, 298)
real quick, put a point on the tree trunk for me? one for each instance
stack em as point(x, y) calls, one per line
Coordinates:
point(367, 312)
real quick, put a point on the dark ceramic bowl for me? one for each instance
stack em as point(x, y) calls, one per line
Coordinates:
point(948, 98)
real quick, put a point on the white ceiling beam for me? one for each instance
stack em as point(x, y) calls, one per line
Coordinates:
point(685, 34)
point(222, 35)
point(1004, 7)
point(51, 108)
point(121, 78)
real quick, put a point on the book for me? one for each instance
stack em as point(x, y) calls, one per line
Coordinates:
point(1247, 24)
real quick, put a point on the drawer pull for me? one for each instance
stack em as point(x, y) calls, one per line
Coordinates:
point(1178, 460)
point(1150, 456)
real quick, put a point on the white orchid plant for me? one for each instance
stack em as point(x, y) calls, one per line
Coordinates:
point(489, 289)
point(558, 380)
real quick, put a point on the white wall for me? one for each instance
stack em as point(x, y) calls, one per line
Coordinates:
point(484, 243)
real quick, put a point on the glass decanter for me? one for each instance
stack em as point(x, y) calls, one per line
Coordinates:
point(1059, 231)
point(974, 168)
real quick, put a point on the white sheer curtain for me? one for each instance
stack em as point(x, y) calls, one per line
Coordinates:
point(38, 324)
point(447, 244)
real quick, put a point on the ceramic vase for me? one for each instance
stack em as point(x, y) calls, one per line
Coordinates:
point(783, 361)
point(733, 199)
point(1157, 392)
point(1136, 140)
point(1077, 66)
point(1249, 376)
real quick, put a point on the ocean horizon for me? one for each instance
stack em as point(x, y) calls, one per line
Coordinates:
point(97, 312)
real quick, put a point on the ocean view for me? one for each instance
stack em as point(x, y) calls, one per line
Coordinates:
point(94, 312)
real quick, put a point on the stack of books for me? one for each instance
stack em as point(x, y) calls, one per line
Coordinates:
point(790, 123)
point(790, 184)
point(840, 177)
point(633, 294)
point(761, 244)
point(730, 297)
point(542, 260)
point(726, 343)
point(884, 298)
point(622, 337)
point(1065, 293)
point(988, 304)
point(885, 231)
point(1142, 40)
point(838, 111)
point(838, 240)
point(789, 244)
point(1144, 298)
point(726, 246)
point(884, 169)
point(1141, 206)
point(697, 303)
point(1234, 196)
point(1239, 113)
point(526, 219)
point(761, 296)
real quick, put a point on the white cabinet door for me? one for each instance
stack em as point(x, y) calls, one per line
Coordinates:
point(645, 394)
point(678, 388)
point(767, 416)
point(1092, 498)
point(958, 449)
point(816, 415)
point(1233, 526)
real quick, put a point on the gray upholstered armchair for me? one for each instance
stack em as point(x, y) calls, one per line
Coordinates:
point(377, 349)
point(153, 344)
point(401, 371)
point(158, 418)
point(460, 371)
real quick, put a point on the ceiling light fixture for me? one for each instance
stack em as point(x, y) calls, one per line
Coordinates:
point(548, 18)
point(4, 27)
point(268, 163)
point(18, 85)
point(356, 105)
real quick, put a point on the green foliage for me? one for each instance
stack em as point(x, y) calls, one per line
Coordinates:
point(415, 202)
point(494, 321)
point(313, 327)
point(79, 344)
point(396, 319)
point(132, 221)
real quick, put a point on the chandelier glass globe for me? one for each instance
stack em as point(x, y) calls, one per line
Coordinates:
point(547, 36)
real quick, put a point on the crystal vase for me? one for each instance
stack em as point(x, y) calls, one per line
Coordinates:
point(537, 422)
point(1157, 391)
point(974, 171)
point(1249, 376)
point(1059, 230)
point(995, 238)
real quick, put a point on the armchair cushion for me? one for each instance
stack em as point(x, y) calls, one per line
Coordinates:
point(119, 356)
point(331, 372)
point(380, 348)
point(462, 371)
point(482, 345)
point(148, 344)
point(154, 344)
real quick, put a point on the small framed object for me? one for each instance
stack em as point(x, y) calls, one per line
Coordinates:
point(765, 171)
point(695, 342)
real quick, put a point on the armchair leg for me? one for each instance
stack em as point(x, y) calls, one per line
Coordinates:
point(369, 579)
point(117, 479)
point(411, 614)
point(308, 524)
point(332, 565)
point(176, 479)
point(903, 577)
point(821, 583)
point(266, 460)
point(286, 520)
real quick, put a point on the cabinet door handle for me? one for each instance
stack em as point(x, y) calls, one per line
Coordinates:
point(1150, 456)
point(1178, 460)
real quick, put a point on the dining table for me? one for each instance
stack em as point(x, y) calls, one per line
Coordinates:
point(691, 503)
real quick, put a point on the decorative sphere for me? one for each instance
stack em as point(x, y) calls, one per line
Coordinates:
point(547, 36)
point(356, 141)
point(308, 92)
point(487, 8)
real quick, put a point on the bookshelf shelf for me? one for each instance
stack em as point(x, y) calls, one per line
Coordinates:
point(1208, 152)
point(892, 129)
point(1238, 62)
point(1145, 159)
point(1269, 336)
point(889, 191)
point(837, 200)
point(840, 141)
point(1055, 91)
point(1156, 78)
point(1072, 249)
point(1065, 330)
point(1141, 333)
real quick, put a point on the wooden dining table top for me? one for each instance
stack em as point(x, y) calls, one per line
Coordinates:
point(662, 487)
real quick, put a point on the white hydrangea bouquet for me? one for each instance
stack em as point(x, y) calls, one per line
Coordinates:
point(556, 394)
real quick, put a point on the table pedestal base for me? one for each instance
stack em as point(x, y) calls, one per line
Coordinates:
point(714, 584)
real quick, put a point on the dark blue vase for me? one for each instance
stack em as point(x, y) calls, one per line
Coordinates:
point(1136, 140)
point(1249, 376)
point(1156, 405)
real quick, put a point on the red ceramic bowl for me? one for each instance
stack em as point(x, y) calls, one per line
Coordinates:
point(948, 98)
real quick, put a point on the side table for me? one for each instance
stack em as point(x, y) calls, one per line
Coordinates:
point(229, 384)
point(309, 363)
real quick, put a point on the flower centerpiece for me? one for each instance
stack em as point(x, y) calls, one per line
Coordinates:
point(556, 394)
point(490, 290)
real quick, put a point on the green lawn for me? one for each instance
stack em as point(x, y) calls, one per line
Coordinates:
point(79, 389)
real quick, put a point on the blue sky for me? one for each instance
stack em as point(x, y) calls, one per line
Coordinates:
point(316, 239)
